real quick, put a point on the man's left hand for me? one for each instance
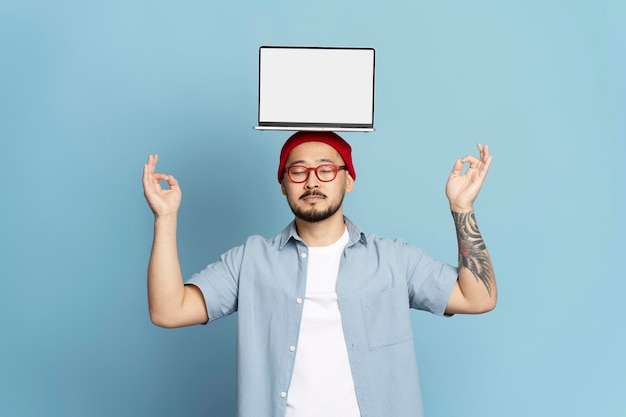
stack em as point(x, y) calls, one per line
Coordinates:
point(462, 189)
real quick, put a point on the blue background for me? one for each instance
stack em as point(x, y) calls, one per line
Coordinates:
point(89, 89)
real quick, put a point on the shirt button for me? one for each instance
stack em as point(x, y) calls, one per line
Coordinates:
point(283, 394)
point(292, 348)
point(303, 255)
point(299, 300)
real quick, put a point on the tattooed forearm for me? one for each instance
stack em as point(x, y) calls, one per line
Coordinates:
point(473, 253)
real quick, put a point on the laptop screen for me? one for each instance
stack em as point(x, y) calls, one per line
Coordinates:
point(316, 88)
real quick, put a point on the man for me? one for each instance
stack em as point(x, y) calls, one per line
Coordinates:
point(323, 309)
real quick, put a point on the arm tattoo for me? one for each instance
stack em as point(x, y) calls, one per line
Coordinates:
point(472, 250)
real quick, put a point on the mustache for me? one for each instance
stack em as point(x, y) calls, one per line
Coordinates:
point(312, 193)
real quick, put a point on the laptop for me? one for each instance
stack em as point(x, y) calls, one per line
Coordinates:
point(316, 88)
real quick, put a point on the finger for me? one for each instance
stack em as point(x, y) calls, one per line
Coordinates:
point(457, 168)
point(471, 159)
point(481, 150)
point(160, 177)
point(484, 151)
point(486, 159)
point(486, 165)
point(152, 160)
point(147, 174)
point(149, 166)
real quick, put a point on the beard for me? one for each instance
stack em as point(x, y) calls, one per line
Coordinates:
point(313, 215)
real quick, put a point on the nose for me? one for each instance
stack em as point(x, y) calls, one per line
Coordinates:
point(311, 181)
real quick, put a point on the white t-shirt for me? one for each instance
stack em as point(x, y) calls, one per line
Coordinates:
point(321, 384)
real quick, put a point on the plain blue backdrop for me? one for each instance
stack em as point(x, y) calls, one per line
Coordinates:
point(89, 89)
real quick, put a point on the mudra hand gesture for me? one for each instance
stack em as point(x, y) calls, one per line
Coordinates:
point(462, 189)
point(162, 201)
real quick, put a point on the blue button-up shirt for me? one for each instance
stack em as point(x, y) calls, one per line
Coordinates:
point(379, 280)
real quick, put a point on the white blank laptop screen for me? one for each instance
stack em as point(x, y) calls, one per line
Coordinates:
point(302, 88)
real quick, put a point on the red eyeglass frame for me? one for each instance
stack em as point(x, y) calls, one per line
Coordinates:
point(309, 169)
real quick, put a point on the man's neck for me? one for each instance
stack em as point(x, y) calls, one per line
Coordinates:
point(322, 233)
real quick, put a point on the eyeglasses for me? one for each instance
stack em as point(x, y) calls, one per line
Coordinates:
point(325, 172)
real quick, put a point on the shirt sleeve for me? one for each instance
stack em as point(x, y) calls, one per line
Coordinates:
point(219, 283)
point(430, 282)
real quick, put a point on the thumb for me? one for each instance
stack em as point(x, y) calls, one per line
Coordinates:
point(172, 182)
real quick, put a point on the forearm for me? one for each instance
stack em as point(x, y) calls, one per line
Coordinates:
point(476, 277)
point(165, 284)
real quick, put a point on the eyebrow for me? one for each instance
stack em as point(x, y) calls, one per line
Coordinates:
point(302, 161)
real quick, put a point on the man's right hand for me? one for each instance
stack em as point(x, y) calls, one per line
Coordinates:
point(162, 201)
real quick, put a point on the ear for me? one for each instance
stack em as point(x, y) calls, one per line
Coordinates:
point(282, 188)
point(349, 183)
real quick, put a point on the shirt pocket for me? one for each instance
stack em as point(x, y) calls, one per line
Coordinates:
point(387, 318)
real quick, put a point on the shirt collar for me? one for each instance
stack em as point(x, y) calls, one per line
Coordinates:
point(355, 233)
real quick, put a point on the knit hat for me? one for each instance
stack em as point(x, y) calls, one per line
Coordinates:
point(329, 138)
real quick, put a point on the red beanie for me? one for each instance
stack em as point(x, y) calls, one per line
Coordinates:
point(329, 138)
